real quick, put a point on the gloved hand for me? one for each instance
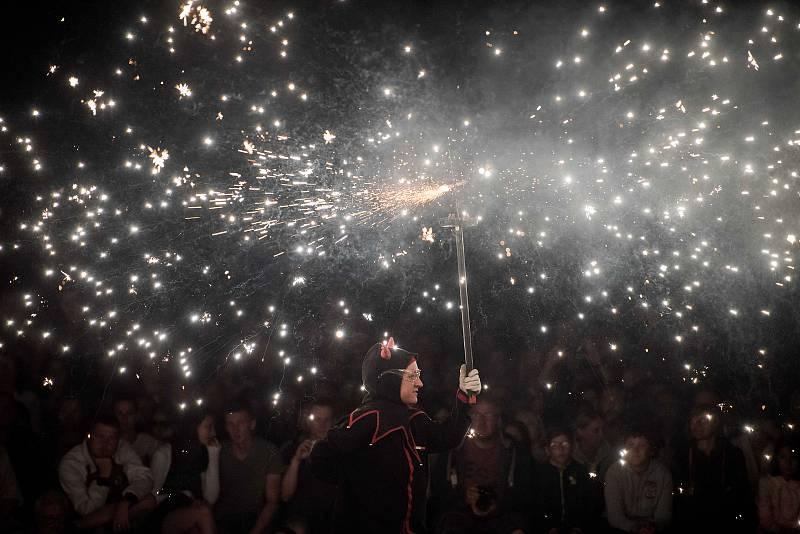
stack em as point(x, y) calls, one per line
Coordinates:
point(469, 383)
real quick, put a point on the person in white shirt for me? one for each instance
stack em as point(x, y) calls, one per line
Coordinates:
point(127, 415)
point(638, 488)
point(105, 480)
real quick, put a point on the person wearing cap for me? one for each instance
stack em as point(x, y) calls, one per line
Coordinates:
point(378, 455)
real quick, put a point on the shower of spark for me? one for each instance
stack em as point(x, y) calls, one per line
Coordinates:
point(640, 176)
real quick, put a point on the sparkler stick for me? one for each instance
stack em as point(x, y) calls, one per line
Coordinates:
point(456, 222)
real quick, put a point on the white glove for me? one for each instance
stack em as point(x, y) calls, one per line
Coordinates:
point(469, 383)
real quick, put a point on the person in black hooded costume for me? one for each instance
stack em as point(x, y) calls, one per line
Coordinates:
point(378, 455)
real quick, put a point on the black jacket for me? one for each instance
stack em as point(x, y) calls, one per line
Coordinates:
point(378, 457)
point(712, 492)
point(565, 499)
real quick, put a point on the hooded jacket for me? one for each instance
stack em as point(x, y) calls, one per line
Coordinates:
point(378, 455)
point(514, 466)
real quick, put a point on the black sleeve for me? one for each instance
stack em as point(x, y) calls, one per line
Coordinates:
point(517, 501)
point(346, 437)
point(442, 436)
point(543, 520)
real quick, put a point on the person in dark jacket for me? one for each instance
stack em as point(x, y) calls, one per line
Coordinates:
point(712, 491)
point(567, 499)
point(186, 477)
point(480, 486)
point(378, 455)
point(308, 501)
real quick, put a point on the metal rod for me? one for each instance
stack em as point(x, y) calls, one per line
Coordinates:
point(463, 295)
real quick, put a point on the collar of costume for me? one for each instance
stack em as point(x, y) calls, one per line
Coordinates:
point(385, 418)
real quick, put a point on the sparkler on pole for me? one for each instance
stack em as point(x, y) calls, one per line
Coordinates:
point(456, 222)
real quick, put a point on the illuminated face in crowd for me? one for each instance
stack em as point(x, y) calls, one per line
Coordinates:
point(318, 421)
point(485, 420)
point(240, 426)
point(591, 435)
point(125, 412)
point(702, 426)
point(411, 384)
point(638, 452)
point(206, 430)
point(559, 450)
point(103, 441)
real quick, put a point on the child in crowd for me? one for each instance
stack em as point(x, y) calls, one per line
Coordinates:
point(638, 488)
point(566, 499)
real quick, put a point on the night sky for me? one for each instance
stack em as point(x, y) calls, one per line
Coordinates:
point(255, 193)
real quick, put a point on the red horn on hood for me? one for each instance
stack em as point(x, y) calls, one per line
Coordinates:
point(386, 348)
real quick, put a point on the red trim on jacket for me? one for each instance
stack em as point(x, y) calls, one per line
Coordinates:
point(409, 445)
point(410, 491)
point(410, 442)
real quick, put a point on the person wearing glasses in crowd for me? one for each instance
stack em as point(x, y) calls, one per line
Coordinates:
point(480, 486)
point(378, 455)
point(567, 499)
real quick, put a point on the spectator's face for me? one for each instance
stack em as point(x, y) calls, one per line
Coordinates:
point(611, 403)
point(514, 433)
point(485, 420)
point(410, 384)
point(638, 452)
point(532, 422)
point(161, 428)
point(701, 426)
point(144, 409)
point(103, 441)
point(240, 426)
point(787, 462)
point(69, 412)
point(319, 421)
point(559, 450)
point(125, 412)
point(591, 435)
point(206, 430)
point(50, 515)
point(665, 401)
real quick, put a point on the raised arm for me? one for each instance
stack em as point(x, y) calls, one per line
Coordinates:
point(209, 479)
point(289, 482)
point(442, 436)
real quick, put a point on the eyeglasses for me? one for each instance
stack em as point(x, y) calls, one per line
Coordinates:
point(411, 376)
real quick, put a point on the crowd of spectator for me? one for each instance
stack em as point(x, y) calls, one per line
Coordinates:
point(626, 455)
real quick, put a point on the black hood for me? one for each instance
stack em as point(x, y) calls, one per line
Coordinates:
point(379, 359)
